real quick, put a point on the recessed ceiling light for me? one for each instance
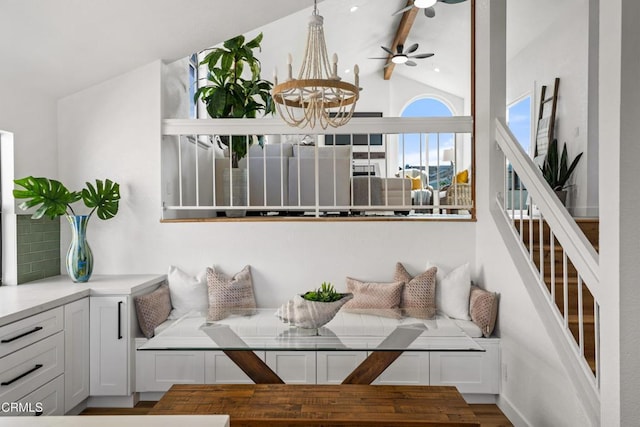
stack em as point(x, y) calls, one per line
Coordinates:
point(436, 69)
point(353, 8)
point(347, 71)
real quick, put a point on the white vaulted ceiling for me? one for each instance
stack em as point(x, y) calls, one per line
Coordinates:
point(58, 47)
point(62, 46)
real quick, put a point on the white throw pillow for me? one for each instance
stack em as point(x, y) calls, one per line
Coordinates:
point(452, 290)
point(187, 292)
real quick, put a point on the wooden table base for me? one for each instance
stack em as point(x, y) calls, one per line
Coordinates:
point(321, 405)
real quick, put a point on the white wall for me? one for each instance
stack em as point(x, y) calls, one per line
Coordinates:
point(619, 227)
point(536, 390)
point(562, 50)
point(113, 130)
point(31, 116)
point(28, 119)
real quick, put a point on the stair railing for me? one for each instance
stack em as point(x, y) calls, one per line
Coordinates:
point(526, 198)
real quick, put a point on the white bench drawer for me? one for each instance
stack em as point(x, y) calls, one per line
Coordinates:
point(219, 369)
point(470, 372)
point(25, 370)
point(17, 335)
point(159, 370)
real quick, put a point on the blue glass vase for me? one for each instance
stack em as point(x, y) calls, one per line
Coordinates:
point(79, 256)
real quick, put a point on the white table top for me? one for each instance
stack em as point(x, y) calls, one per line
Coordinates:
point(120, 420)
point(20, 301)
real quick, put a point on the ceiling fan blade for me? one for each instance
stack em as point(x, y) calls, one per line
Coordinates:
point(452, 1)
point(410, 63)
point(422, 55)
point(404, 9)
point(429, 12)
point(399, 49)
point(412, 48)
point(385, 57)
point(386, 49)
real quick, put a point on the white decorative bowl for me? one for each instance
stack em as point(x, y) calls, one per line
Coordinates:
point(310, 314)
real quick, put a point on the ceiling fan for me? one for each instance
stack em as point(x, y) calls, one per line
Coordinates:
point(402, 57)
point(427, 5)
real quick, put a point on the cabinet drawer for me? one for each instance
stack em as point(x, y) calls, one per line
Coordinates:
point(470, 372)
point(29, 368)
point(219, 369)
point(47, 400)
point(17, 335)
point(334, 366)
point(159, 370)
point(411, 368)
point(294, 367)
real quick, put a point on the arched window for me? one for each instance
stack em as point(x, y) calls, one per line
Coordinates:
point(433, 153)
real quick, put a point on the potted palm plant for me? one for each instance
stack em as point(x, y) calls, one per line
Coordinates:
point(53, 199)
point(234, 89)
point(556, 169)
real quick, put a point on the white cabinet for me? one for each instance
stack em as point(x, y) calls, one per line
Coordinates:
point(109, 346)
point(47, 400)
point(411, 368)
point(334, 366)
point(76, 352)
point(470, 372)
point(294, 367)
point(219, 369)
point(24, 332)
point(27, 369)
point(159, 370)
point(45, 363)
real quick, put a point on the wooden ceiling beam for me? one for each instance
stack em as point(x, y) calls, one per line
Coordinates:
point(406, 22)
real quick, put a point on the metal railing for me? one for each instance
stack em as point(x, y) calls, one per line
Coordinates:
point(359, 169)
point(560, 257)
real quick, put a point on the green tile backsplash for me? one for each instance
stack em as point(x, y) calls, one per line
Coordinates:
point(38, 248)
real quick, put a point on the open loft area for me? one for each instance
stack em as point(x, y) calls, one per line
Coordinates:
point(382, 171)
point(410, 175)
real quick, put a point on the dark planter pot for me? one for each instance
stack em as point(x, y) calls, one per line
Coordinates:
point(562, 195)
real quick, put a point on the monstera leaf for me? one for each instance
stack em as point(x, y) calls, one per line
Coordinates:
point(103, 198)
point(50, 195)
point(54, 199)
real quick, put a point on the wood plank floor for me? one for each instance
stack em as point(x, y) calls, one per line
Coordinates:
point(352, 405)
point(488, 415)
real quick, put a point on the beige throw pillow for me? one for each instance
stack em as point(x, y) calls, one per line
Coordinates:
point(376, 298)
point(152, 309)
point(229, 295)
point(483, 306)
point(419, 292)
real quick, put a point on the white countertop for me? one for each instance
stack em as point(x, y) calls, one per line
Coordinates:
point(20, 301)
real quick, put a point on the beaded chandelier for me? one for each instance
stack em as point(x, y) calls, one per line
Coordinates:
point(318, 95)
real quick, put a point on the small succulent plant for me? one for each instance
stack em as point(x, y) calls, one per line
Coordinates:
point(325, 293)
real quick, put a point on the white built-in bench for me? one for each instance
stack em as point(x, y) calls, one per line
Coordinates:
point(475, 374)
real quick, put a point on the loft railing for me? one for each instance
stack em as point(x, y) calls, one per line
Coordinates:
point(562, 262)
point(361, 169)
